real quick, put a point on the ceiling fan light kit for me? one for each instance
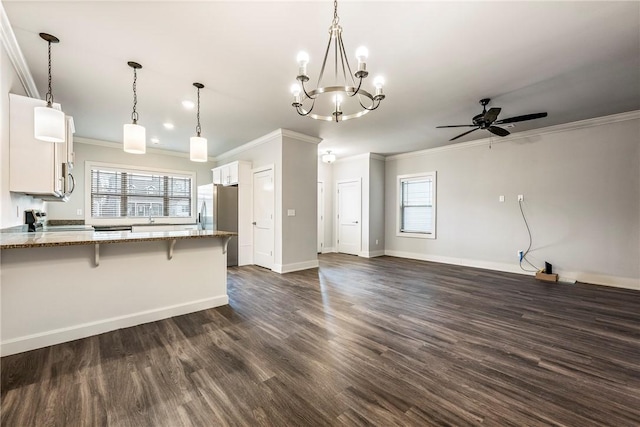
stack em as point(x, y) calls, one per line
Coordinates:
point(197, 144)
point(343, 87)
point(488, 119)
point(48, 122)
point(134, 139)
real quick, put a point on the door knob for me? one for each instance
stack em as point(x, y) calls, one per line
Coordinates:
point(254, 223)
point(355, 222)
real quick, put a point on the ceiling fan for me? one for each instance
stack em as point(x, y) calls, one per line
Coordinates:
point(487, 120)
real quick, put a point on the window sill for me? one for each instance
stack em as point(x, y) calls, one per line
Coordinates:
point(417, 235)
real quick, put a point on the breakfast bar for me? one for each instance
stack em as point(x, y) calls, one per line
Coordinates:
point(62, 286)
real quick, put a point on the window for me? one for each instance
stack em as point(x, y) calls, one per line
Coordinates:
point(417, 205)
point(118, 195)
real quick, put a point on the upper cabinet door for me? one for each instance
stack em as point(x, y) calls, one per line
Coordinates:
point(217, 176)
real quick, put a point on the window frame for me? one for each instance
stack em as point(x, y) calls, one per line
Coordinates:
point(129, 220)
point(400, 179)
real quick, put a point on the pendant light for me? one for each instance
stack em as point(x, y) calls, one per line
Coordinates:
point(198, 145)
point(134, 140)
point(49, 123)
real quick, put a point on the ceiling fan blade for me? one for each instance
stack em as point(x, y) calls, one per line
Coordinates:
point(491, 115)
point(521, 118)
point(498, 131)
point(463, 134)
point(456, 126)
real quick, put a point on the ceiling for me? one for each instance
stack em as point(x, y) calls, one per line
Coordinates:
point(575, 60)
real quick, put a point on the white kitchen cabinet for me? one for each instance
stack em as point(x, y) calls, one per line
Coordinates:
point(37, 168)
point(229, 174)
point(217, 176)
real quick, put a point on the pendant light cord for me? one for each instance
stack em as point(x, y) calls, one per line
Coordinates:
point(49, 96)
point(198, 129)
point(134, 114)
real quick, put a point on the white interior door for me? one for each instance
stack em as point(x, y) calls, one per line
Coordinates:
point(263, 207)
point(320, 217)
point(349, 217)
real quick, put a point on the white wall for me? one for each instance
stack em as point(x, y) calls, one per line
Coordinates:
point(12, 205)
point(581, 187)
point(325, 175)
point(299, 192)
point(107, 152)
point(376, 205)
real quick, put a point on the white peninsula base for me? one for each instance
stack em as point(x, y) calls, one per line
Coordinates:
point(55, 294)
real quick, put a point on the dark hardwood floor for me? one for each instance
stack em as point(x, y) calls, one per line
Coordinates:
point(384, 342)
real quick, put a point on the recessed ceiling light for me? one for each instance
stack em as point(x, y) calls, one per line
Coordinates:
point(188, 104)
point(155, 140)
point(168, 125)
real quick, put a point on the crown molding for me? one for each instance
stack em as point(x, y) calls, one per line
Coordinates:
point(564, 127)
point(278, 133)
point(15, 55)
point(118, 146)
point(300, 136)
point(360, 157)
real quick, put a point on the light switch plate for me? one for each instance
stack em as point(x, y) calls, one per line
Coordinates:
point(501, 198)
point(291, 212)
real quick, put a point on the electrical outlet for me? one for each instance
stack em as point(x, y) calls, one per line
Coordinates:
point(501, 199)
point(521, 197)
point(79, 212)
point(376, 241)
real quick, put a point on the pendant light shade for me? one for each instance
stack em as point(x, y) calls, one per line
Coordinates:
point(134, 139)
point(48, 123)
point(198, 151)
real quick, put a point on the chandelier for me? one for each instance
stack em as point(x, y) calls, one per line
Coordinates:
point(345, 84)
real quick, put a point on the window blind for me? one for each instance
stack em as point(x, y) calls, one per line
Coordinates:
point(118, 194)
point(416, 208)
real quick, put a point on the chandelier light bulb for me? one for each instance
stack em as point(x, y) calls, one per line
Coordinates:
point(362, 53)
point(378, 82)
point(302, 58)
point(295, 89)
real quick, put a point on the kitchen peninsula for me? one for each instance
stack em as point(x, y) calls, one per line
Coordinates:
point(62, 286)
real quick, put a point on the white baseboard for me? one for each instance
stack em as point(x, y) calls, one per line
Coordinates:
point(296, 266)
point(57, 336)
point(328, 250)
point(563, 276)
point(371, 254)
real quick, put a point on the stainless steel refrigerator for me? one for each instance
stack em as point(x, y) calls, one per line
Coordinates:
point(218, 210)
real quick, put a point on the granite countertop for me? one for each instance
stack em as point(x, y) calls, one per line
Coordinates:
point(13, 240)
